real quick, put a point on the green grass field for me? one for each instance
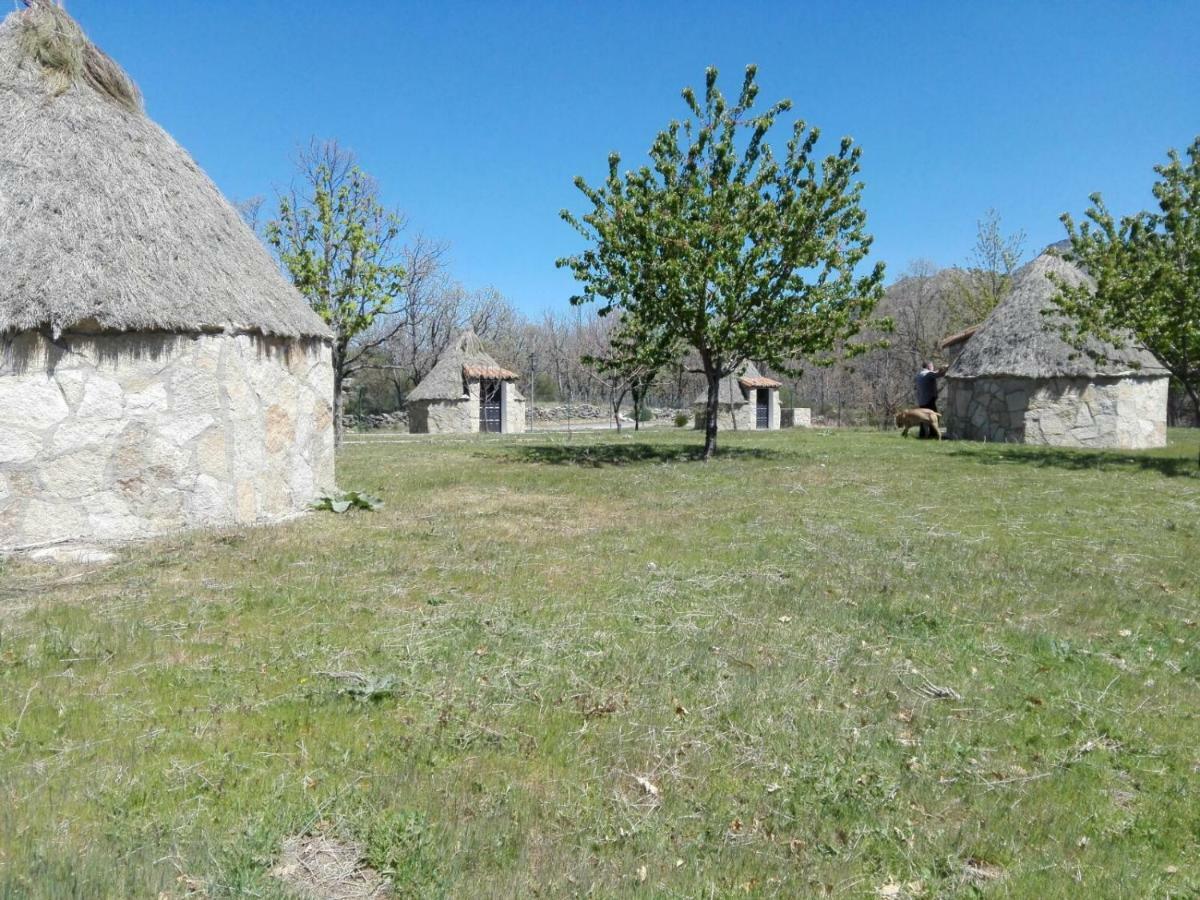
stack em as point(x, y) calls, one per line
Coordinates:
point(835, 664)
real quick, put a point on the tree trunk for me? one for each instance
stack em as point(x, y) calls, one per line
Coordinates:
point(1195, 397)
point(711, 407)
point(339, 375)
point(337, 408)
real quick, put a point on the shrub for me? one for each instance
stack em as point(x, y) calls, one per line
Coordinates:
point(348, 500)
point(681, 420)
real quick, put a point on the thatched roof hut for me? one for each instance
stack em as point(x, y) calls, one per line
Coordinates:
point(747, 401)
point(1017, 379)
point(108, 224)
point(153, 356)
point(466, 391)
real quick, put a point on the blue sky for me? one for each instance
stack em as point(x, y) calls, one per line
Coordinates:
point(475, 117)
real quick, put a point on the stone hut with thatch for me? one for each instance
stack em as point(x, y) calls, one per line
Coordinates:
point(157, 372)
point(748, 401)
point(466, 391)
point(1015, 379)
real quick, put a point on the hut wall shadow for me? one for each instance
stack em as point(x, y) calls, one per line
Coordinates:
point(1182, 465)
point(35, 350)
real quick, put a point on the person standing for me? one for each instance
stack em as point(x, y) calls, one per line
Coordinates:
point(927, 391)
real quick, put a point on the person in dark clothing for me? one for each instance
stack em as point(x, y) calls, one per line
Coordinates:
point(927, 391)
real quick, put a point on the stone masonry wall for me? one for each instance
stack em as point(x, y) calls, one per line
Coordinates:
point(461, 416)
point(741, 416)
point(119, 437)
point(513, 413)
point(441, 417)
point(797, 417)
point(1118, 413)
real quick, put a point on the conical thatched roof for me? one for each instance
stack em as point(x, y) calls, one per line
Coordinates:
point(1018, 340)
point(464, 358)
point(105, 222)
point(730, 390)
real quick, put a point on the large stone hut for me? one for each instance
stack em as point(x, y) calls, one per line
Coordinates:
point(157, 372)
point(1015, 379)
point(466, 391)
point(748, 401)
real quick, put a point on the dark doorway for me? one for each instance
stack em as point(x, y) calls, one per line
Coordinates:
point(763, 419)
point(490, 396)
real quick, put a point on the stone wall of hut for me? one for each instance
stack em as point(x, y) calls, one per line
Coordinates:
point(740, 416)
point(462, 416)
point(120, 437)
point(443, 416)
point(1115, 413)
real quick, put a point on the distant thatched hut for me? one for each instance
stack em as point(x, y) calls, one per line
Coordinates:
point(749, 401)
point(156, 370)
point(1015, 379)
point(466, 391)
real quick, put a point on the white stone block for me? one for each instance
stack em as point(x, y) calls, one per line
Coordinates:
point(45, 522)
point(102, 399)
point(38, 398)
point(75, 474)
point(180, 430)
point(18, 445)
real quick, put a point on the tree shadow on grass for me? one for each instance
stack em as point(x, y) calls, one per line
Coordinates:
point(599, 455)
point(1181, 466)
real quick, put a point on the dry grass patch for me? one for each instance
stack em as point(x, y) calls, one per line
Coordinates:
point(321, 867)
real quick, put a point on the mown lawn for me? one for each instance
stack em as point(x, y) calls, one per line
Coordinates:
point(826, 664)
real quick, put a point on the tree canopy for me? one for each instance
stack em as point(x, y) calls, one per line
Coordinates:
point(1147, 272)
point(721, 245)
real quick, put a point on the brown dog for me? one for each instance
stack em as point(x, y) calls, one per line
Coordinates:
point(912, 418)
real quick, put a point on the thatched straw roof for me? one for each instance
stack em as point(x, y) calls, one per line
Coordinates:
point(1018, 340)
point(464, 358)
point(730, 390)
point(106, 224)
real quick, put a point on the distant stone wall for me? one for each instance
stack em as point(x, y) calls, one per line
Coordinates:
point(1119, 413)
point(733, 416)
point(395, 420)
point(742, 416)
point(796, 417)
point(119, 437)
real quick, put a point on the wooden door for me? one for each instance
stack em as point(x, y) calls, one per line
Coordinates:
point(490, 397)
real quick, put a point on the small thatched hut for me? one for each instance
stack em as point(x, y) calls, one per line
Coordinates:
point(1015, 379)
point(466, 391)
point(157, 372)
point(748, 401)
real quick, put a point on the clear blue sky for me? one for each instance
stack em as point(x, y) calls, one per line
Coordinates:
point(475, 117)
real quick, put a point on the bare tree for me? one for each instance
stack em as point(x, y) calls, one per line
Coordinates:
point(338, 243)
point(987, 278)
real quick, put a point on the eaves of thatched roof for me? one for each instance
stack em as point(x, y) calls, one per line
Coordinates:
point(1019, 340)
point(463, 359)
point(106, 224)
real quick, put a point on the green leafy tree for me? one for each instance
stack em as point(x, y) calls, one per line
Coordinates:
point(338, 243)
point(1147, 272)
point(987, 278)
point(720, 245)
